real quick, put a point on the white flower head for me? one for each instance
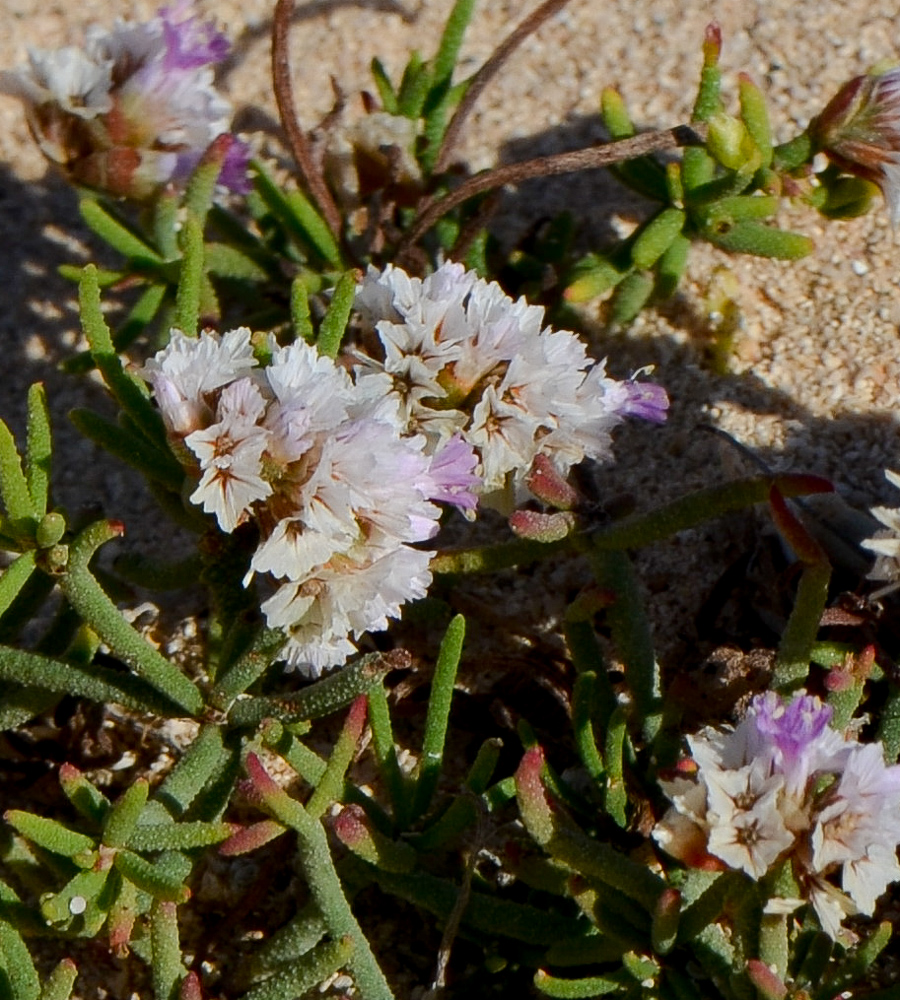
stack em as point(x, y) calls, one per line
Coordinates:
point(463, 357)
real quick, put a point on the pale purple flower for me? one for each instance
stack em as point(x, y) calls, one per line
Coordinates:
point(135, 108)
point(647, 401)
point(784, 784)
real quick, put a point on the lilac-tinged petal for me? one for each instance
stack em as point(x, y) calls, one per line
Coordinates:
point(190, 42)
point(647, 401)
point(451, 477)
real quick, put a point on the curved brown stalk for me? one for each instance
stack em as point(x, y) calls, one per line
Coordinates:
point(549, 166)
point(297, 139)
point(487, 72)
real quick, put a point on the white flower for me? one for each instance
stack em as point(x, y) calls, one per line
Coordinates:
point(342, 598)
point(747, 830)
point(464, 357)
point(135, 108)
point(886, 544)
point(188, 369)
point(230, 453)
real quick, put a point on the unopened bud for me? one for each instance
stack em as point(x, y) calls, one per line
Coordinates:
point(859, 130)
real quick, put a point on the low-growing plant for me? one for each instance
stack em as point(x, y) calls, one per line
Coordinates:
point(311, 430)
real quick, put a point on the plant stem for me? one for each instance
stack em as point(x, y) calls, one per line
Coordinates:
point(549, 166)
point(323, 881)
point(487, 73)
point(284, 96)
point(89, 600)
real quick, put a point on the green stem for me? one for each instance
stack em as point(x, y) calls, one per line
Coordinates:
point(323, 881)
point(438, 715)
point(631, 636)
point(89, 600)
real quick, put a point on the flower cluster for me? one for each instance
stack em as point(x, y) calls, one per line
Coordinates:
point(337, 489)
point(135, 108)
point(464, 358)
point(784, 785)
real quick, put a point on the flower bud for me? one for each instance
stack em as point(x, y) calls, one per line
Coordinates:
point(859, 130)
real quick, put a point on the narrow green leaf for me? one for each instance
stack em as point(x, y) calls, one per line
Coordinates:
point(615, 797)
point(303, 328)
point(178, 836)
point(330, 787)
point(630, 297)
point(83, 902)
point(13, 484)
point(116, 232)
point(193, 770)
point(190, 284)
point(591, 986)
point(631, 636)
point(94, 682)
point(592, 276)
point(755, 115)
point(386, 92)
point(656, 236)
point(123, 816)
point(305, 762)
point(582, 724)
point(248, 668)
point(386, 755)
point(334, 323)
point(16, 963)
point(153, 879)
point(414, 86)
point(299, 217)
point(128, 390)
point(451, 40)
point(761, 240)
point(39, 449)
point(53, 836)
point(84, 796)
point(438, 715)
point(165, 948)
point(671, 266)
point(201, 186)
point(95, 607)
point(316, 967)
point(325, 696)
point(225, 261)
point(485, 914)
point(794, 650)
point(60, 981)
point(166, 209)
point(135, 450)
point(14, 578)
